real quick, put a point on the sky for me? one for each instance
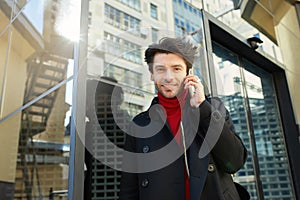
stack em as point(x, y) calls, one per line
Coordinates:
point(34, 11)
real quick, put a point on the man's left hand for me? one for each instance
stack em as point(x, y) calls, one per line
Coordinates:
point(198, 95)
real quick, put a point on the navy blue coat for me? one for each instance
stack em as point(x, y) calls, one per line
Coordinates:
point(214, 153)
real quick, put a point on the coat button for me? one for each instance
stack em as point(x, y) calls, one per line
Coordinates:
point(217, 115)
point(211, 168)
point(146, 149)
point(145, 183)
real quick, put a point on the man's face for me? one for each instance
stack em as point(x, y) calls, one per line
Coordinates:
point(169, 71)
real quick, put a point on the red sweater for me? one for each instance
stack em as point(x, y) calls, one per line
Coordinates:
point(173, 109)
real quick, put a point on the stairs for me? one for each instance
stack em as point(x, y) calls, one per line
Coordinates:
point(44, 72)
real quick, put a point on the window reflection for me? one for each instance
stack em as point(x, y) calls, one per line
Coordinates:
point(230, 90)
point(122, 20)
point(125, 76)
point(107, 120)
point(268, 133)
point(261, 96)
point(34, 100)
point(43, 148)
point(122, 48)
point(153, 11)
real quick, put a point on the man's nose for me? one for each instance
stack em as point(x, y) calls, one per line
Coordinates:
point(168, 75)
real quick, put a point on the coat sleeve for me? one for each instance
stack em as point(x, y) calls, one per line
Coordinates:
point(228, 150)
point(129, 181)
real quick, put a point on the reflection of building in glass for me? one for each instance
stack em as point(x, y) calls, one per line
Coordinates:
point(271, 152)
point(188, 20)
point(187, 17)
point(33, 100)
point(122, 48)
point(106, 127)
point(117, 39)
point(41, 143)
point(264, 126)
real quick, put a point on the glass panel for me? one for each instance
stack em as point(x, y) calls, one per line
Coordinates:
point(273, 161)
point(191, 23)
point(119, 85)
point(43, 153)
point(230, 90)
point(269, 141)
point(39, 50)
point(36, 99)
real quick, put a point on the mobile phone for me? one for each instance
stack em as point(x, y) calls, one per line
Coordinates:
point(191, 88)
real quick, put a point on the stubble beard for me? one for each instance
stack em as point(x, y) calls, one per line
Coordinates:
point(175, 94)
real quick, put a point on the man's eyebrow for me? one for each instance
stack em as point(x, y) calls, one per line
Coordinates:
point(177, 65)
point(158, 65)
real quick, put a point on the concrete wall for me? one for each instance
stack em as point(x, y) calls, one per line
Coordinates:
point(288, 37)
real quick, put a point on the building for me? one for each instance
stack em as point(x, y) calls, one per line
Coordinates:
point(47, 151)
point(35, 155)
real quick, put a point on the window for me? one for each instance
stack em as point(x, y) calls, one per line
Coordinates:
point(185, 5)
point(270, 151)
point(154, 33)
point(123, 75)
point(122, 20)
point(153, 11)
point(123, 48)
point(135, 4)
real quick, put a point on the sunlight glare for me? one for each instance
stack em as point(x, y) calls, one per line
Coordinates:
point(68, 20)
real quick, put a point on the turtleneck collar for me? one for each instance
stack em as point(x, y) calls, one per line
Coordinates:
point(173, 103)
point(173, 108)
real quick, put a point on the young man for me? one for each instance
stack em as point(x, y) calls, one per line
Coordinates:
point(206, 151)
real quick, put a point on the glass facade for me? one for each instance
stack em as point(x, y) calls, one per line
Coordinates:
point(36, 90)
point(248, 89)
point(39, 68)
point(186, 17)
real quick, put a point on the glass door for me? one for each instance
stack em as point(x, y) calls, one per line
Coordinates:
point(249, 95)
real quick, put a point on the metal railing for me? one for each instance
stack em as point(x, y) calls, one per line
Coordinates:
point(53, 193)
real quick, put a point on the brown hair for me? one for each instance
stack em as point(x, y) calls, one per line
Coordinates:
point(179, 46)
